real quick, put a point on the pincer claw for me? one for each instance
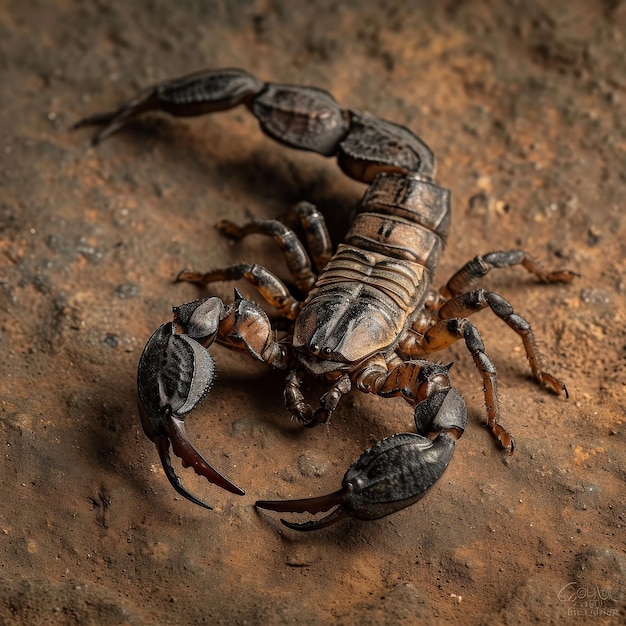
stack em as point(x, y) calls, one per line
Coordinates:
point(395, 473)
point(392, 475)
point(174, 374)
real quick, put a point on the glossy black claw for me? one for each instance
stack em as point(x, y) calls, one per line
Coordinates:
point(391, 476)
point(310, 505)
point(175, 372)
point(328, 520)
point(163, 447)
point(395, 473)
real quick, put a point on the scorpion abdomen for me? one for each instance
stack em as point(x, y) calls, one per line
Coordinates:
point(406, 218)
point(380, 276)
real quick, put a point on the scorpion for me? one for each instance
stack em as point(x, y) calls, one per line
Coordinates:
point(369, 319)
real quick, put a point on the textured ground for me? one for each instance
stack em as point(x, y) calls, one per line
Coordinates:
point(524, 103)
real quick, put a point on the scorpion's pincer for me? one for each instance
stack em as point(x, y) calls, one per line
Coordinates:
point(175, 372)
point(395, 473)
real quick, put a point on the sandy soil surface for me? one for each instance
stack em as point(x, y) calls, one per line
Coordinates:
point(524, 104)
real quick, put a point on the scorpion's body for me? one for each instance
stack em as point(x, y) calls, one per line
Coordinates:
point(378, 279)
point(370, 316)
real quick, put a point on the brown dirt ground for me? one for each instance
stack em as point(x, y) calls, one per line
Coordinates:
point(524, 104)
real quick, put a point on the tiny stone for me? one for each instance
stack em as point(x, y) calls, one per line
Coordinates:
point(312, 464)
point(112, 341)
point(127, 290)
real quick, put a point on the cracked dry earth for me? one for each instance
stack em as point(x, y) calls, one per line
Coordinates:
point(524, 104)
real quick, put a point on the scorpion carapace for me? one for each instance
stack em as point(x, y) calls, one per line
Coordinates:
point(370, 316)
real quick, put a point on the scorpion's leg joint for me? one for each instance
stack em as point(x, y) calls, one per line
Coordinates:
point(294, 399)
point(481, 265)
point(479, 299)
point(487, 369)
point(448, 331)
point(295, 255)
point(246, 328)
point(301, 410)
point(330, 400)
